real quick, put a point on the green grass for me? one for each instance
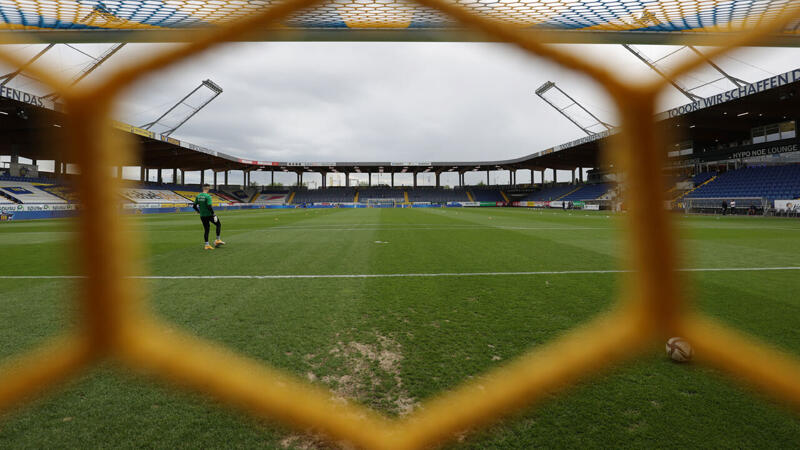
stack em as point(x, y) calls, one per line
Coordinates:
point(433, 333)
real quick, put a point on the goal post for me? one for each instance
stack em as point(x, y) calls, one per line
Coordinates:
point(381, 203)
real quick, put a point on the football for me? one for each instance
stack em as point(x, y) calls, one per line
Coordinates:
point(679, 349)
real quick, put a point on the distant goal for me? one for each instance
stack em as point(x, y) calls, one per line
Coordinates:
point(381, 203)
point(732, 205)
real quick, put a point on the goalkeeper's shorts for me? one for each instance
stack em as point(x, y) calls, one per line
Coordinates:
point(207, 221)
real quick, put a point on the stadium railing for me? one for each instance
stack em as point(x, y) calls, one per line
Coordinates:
point(713, 205)
point(116, 325)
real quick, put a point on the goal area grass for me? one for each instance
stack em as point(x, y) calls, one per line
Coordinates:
point(388, 307)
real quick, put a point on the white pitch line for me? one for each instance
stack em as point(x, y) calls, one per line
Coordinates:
point(464, 228)
point(394, 275)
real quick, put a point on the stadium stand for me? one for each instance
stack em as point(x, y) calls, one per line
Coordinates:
point(226, 197)
point(552, 192)
point(587, 192)
point(137, 195)
point(487, 194)
point(436, 195)
point(380, 193)
point(327, 195)
point(26, 192)
point(462, 193)
point(239, 194)
point(701, 178)
point(64, 192)
point(271, 198)
point(770, 182)
point(679, 185)
point(39, 180)
point(188, 193)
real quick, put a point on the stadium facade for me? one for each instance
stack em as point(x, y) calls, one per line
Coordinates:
point(750, 125)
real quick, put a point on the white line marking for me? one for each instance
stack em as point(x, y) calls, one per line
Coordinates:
point(393, 275)
point(40, 277)
point(444, 228)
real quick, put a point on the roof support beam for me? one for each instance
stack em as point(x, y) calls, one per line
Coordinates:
point(736, 81)
point(652, 65)
point(97, 62)
point(10, 76)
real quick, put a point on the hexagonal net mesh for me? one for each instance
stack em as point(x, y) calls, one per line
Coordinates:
point(115, 323)
point(640, 15)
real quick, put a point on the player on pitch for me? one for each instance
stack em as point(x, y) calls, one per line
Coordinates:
point(202, 204)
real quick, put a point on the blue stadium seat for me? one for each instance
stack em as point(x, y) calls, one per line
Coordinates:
point(587, 192)
point(487, 194)
point(548, 193)
point(380, 193)
point(436, 195)
point(327, 195)
point(770, 182)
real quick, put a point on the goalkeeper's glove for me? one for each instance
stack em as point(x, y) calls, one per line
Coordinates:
point(215, 218)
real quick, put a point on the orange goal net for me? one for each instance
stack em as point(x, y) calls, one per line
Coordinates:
point(115, 323)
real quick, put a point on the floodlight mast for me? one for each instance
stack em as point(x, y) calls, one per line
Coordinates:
point(562, 110)
point(214, 87)
point(89, 68)
point(97, 62)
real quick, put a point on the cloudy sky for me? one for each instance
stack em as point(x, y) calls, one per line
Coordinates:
point(384, 101)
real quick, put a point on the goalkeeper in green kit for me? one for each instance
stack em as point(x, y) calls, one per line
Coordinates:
point(202, 204)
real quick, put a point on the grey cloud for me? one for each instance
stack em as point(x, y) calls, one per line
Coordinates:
point(385, 101)
point(371, 101)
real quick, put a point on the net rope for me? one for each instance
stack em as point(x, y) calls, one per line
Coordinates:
point(115, 323)
point(642, 15)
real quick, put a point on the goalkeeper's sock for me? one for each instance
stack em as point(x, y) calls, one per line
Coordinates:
point(206, 242)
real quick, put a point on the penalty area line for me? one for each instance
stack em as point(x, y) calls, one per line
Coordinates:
point(395, 275)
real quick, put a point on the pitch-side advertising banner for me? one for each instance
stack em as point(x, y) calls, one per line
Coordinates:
point(56, 207)
point(534, 204)
point(788, 205)
point(25, 97)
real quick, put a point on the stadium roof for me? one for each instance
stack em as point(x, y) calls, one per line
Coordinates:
point(629, 21)
point(25, 121)
point(729, 116)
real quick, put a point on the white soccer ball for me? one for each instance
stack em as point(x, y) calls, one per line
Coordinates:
point(679, 349)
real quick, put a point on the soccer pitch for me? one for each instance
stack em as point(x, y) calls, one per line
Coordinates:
point(389, 307)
